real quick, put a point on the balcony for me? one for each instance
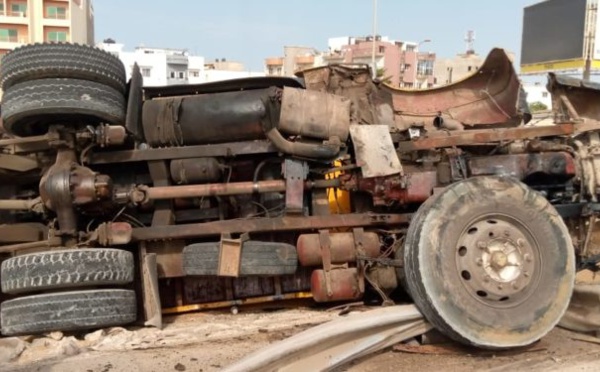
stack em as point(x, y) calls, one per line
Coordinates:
point(176, 59)
point(274, 61)
point(305, 60)
point(14, 17)
point(57, 16)
point(11, 42)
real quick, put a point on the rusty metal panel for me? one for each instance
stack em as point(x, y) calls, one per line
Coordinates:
point(168, 257)
point(230, 253)
point(522, 165)
point(472, 137)
point(579, 98)
point(295, 174)
point(375, 152)
point(489, 96)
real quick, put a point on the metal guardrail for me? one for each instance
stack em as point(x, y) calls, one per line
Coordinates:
point(335, 343)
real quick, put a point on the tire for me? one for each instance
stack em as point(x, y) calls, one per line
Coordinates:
point(258, 258)
point(61, 60)
point(66, 269)
point(68, 311)
point(490, 263)
point(28, 108)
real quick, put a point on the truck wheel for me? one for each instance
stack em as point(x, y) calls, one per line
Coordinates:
point(28, 108)
point(41, 61)
point(258, 258)
point(490, 263)
point(66, 269)
point(68, 311)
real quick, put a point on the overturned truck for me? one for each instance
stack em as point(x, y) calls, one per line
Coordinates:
point(119, 203)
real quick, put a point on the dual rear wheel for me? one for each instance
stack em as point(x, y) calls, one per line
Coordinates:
point(67, 290)
point(65, 84)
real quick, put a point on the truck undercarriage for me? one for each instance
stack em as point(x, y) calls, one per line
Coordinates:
point(331, 186)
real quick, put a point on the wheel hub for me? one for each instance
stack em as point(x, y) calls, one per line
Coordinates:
point(496, 258)
point(502, 260)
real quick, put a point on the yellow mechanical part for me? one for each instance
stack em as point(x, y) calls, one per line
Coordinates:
point(339, 200)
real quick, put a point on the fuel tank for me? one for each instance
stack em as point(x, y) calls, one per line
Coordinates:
point(206, 118)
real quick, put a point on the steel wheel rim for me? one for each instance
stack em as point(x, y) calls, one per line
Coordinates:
point(498, 260)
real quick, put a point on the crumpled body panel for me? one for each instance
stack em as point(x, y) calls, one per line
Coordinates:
point(491, 97)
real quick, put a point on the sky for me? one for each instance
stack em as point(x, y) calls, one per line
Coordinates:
point(249, 31)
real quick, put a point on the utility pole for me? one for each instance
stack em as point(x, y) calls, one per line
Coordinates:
point(590, 35)
point(374, 38)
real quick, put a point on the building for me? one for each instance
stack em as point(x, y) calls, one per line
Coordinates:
point(225, 70)
point(450, 70)
point(398, 63)
point(295, 58)
point(160, 66)
point(36, 21)
point(537, 92)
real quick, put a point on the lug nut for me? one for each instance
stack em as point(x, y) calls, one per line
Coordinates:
point(486, 278)
point(481, 245)
point(515, 285)
point(479, 262)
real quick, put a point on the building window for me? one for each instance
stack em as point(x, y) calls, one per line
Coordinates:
point(194, 73)
point(56, 36)
point(18, 10)
point(56, 12)
point(146, 71)
point(9, 34)
point(2, 9)
point(381, 49)
point(181, 75)
point(172, 74)
point(425, 67)
point(404, 67)
point(545, 94)
point(410, 48)
point(469, 68)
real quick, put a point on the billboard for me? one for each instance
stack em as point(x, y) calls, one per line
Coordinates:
point(554, 35)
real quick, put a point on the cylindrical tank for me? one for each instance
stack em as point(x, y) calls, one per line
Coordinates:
point(195, 170)
point(344, 285)
point(205, 118)
point(315, 114)
point(342, 248)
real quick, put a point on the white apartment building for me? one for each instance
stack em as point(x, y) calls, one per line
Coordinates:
point(537, 92)
point(160, 67)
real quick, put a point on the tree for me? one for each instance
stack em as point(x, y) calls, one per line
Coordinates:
point(380, 75)
point(537, 106)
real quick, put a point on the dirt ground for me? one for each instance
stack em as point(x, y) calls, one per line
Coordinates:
point(208, 342)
